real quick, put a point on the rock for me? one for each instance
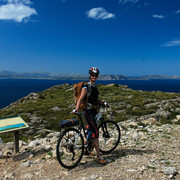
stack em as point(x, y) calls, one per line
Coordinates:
point(33, 96)
point(135, 108)
point(152, 121)
point(1, 153)
point(170, 171)
point(109, 85)
point(66, 173)
point(37, 161)
point(27, 176)
point(135, 135)
point(45, 140)
point(33, 144)
point(175, 120)
point(26, 164)
point(9, 146)
point(47, 156)
point(177, 109)
point(50, 135)
point(35, 120)
point(171, 176)
point(22, 143)
point(30, 132)
point(120, 111)
point(9, 176)
point(162, 113)
point(109, 116)
point(1, 141)
point(133, 124)
point(56, 108)
point(178, 117)
point(152, 105)
point(128, 106)
point(31, 155)
point(6, 153)
point(130, 97)
point(46, 147)
point(131, 170)
point(94, 176)
point(54, 153)
point(54, 140)
point(108, 160)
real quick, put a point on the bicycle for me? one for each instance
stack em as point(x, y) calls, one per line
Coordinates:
point(70, 146)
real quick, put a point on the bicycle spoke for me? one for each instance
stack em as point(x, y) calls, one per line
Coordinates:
point(70, 148)
point(109, 136)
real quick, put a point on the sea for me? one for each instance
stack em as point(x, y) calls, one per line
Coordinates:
point(13, 89)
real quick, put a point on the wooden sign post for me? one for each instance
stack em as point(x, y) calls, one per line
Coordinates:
point(13, 124)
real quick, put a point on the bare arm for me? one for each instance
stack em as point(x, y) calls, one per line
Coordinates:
point(83, 94)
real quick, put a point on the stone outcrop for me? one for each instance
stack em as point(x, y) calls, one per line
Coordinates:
point(31, 96)
point(148, 149)
point(150, 152)
point(37, 125)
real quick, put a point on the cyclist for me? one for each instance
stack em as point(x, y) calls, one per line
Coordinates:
point(91, 109)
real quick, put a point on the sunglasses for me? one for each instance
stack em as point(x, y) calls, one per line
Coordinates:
point(94, 75)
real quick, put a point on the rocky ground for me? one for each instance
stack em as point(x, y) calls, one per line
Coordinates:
point(151, 152)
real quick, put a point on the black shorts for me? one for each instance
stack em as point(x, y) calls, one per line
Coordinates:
point(91, 121)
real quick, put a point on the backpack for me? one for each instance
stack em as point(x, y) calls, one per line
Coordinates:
point(77, 92)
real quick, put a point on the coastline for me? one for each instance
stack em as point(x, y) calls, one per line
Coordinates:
point(13, 89)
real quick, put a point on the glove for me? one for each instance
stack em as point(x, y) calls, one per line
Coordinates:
point(106, 104)
point(74, 111)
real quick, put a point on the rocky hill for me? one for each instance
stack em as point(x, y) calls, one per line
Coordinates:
point(76, 76)
point(149, 147)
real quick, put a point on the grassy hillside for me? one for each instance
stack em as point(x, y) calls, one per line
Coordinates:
point(56, 103)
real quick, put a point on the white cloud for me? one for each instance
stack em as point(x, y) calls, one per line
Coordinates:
point(127, 1)
point(16, 10)
point(99, 13)
point(172, 43)
point(178, 11)
point(158, 16)
point(18, 1)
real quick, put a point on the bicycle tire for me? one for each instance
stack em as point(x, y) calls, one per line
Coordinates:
point(109, 140)
point(70, 148)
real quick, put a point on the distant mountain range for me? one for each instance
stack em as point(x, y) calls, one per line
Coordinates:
point(75, 76)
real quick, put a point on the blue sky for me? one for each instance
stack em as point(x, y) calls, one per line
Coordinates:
point(130, 37)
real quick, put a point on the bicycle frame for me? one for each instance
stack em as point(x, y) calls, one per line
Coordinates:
point(72, 142)
point(81, 125)
point(101, 119)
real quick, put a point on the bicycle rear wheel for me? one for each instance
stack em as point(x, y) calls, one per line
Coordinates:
point(109, 136)
point(70, 148)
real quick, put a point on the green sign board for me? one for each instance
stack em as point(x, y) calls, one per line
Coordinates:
point(12, 123)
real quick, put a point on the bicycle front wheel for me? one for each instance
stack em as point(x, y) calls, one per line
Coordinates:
point(109, 136)
point(70, 148)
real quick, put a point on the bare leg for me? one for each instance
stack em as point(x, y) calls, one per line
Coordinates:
point(96, 145)
point(99, 158)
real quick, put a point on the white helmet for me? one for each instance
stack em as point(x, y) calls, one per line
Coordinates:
point(94, 70)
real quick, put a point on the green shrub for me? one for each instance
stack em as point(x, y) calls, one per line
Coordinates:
point(118, 96)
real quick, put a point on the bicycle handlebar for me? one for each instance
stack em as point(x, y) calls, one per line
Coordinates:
point(77, 113)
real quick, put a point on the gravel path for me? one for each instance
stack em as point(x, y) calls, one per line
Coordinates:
point(152, 153)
